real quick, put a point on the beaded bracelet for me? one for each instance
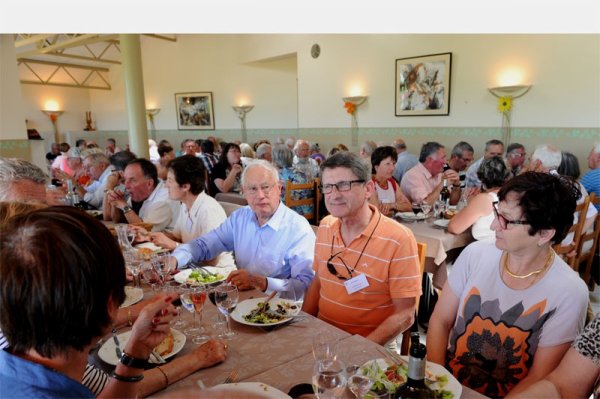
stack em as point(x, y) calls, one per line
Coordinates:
point(123, 378)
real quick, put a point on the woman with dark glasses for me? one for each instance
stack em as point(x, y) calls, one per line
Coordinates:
point(510, 310)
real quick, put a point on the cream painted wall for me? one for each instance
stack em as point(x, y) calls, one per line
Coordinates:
point(291, 90)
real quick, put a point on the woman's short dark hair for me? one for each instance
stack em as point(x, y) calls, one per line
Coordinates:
point(381, 153)
point(164, 149)
point(189, 169)
point(223, 158)
point(120, 159)
point(492, 172)
point(569, 166)
point(60, 267)
point(547, 201)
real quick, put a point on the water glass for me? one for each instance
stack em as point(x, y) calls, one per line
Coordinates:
point(439, 207)
point(163, 266)
point(134, 264)
point(359, 384)
point(226, 297)
point(329, 379)
point(122, 230)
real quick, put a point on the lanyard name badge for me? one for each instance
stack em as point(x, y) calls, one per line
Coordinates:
point(356, 284)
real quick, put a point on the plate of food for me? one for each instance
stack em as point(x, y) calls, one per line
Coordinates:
point(253, 312)
point(204, 276)
point(389, 376)
point(254, 389)
point(443, 223)
point(132, 296)
point(411, 216)
point(169, 347)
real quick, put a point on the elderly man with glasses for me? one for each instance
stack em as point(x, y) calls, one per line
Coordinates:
point(273, 245)
point(367, 269)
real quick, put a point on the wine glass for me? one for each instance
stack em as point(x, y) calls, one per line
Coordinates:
point(163, 266)
point(226, 297)
point(416, 208)
point(122, 229)
point(176, 288)
point(426, 208)
point(324, 347)
point(438, 208)
point(198, 297)
point(133, 262)
point(188, 304)
point(329, 379)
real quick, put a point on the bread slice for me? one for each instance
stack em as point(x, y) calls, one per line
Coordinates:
point(166, 346)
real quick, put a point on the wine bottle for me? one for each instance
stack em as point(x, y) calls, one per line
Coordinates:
point(445, 193)
point(415, 387)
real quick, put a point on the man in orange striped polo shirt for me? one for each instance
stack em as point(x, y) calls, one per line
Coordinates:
point(366, 264)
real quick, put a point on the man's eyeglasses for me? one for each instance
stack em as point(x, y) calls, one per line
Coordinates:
point(253, 190)
point(517, 154)
point(341, 186)
point(504, 222)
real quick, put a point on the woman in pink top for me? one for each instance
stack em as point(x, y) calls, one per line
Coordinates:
point(387, 197)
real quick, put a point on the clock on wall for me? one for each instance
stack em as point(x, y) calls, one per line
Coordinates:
point(315, 50)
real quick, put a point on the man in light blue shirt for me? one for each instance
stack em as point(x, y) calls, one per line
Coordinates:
point(405, 161)
point(493, 148)
point(591, 180)
point(273, 245)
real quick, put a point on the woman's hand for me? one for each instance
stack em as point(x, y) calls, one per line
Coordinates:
point(210, 353)
point(151, 326)
point(236, 169)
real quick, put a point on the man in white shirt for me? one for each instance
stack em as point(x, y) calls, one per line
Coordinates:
point(147, 198)
point(302, 160)
point(98, 168)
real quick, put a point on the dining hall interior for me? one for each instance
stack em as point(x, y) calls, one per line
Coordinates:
point(327, 88)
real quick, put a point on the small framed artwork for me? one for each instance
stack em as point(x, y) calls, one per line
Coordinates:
point(195, 111)
point(423, 85)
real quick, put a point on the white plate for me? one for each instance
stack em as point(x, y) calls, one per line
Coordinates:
point(107, 350)
point(182, 276)
point(411, 216)
point(433, 368)
point(245, 307)
point(132, 296)
point(442, 223)
point(153, 247)
point(256, 389)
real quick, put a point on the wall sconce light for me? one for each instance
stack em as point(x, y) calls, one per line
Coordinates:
point(53, 115)
point(351, 104)
point(506, 95)
point(151, 113)
point(242, 110)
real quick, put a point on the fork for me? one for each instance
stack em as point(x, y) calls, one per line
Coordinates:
point(231, 377)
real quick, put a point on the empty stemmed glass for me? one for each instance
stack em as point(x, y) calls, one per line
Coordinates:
point(226, 298)
point(426, 208)
point(324, 347)
point(134, 262)
point(359, 383)
point(176, 288)
point(163, 266)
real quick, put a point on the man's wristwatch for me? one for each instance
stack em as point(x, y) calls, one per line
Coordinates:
point(126, 209)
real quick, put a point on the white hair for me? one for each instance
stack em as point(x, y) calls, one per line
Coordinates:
point(13, 170)
point(548, 155)
point(260, 163)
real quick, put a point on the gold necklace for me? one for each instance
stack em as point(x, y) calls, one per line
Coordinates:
point(510, 273)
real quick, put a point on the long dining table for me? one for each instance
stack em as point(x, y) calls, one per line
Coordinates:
point(280, 357)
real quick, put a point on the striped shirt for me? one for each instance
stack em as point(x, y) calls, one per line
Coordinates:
point(591, 182)
point(389, 260)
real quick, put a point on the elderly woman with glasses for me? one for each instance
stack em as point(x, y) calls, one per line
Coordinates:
point(510, 310)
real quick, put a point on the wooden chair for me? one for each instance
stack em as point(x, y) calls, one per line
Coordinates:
point(229, 207)
point(586, 259)
point(232, 198)
point(291, 202)
point(576, 229)
point(421, 250)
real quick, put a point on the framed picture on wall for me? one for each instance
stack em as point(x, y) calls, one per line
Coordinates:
point(423, 85)
point(194, 111)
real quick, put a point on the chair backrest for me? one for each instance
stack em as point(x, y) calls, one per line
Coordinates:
point(230, 207)
point(577, 228)
point(232, 198)
point(585, 260)
point(421, 251)
point(291, 202)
